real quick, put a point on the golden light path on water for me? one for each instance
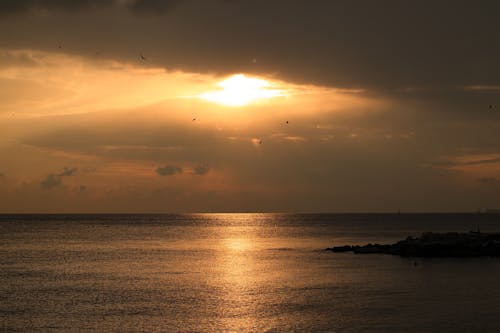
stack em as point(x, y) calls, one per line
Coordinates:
point(234, 273)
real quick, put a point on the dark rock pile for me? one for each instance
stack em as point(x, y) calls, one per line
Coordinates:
point(452, 244)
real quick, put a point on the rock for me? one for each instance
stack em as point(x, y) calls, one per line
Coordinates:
point(429, 244)
point(345, 248)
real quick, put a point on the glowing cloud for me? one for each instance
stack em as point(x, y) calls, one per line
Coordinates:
point(239, 90)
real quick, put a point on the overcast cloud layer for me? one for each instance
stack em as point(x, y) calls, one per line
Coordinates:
point(384, 44)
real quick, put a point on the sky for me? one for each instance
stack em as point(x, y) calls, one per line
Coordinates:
point(148, 106)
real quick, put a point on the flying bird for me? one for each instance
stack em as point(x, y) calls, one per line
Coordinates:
point(193, 119)
point(142, 57)
point(491, 107)
point(287, 121)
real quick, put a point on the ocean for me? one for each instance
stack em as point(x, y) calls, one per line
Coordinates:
point(239, 273)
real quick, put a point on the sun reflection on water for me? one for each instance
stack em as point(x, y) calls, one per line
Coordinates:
point(238, 244)
point(237, 272)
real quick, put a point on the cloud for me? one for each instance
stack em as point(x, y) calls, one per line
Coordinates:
point(51, 181)
point(484, 161)
point(168, 170)
point(152, 6)
point(116, 119)
point(477, 160)
point(68, 172)
point(16, 59)
point(488, 180)
point(20, 6)
point(337, 43)
point(201, 169)
point(56, 180)
point(136, 6)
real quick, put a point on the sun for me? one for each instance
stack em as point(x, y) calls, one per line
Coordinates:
point(240, 90)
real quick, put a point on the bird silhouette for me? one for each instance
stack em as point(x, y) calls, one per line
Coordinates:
point(491, 107)
point(193, 119)
point(142, 57)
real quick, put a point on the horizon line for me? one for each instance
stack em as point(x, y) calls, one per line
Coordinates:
point(486, 211)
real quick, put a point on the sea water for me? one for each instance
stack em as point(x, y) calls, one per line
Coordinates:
point(239, 273)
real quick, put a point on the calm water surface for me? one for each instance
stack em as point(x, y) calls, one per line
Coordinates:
point(238, 273)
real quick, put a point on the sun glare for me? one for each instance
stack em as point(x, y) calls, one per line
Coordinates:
point(240, 90)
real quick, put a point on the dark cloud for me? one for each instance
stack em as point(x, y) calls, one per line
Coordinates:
point(51, 181)
point(152, 6)
point(201, 169)
point(137, 6)
point(56, 180)
point(168, 170)
point(385, 45)
point(489, 180)
point(68, 172)
point(19, 6)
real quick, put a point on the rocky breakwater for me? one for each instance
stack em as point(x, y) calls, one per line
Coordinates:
point(429, 244)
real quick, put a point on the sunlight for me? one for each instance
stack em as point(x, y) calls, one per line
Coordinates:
point(238, 244)
point(240, 90)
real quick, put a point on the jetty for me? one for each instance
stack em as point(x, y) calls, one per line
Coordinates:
point(430, 244)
